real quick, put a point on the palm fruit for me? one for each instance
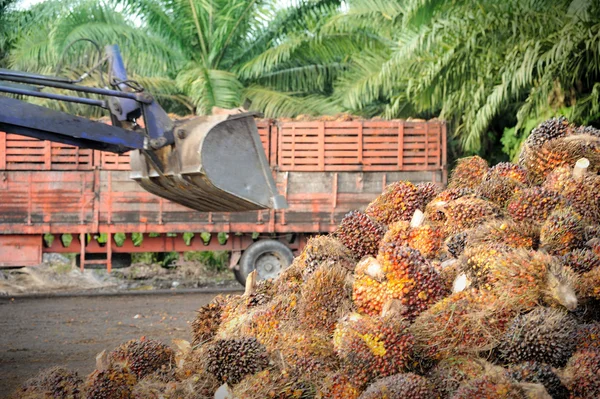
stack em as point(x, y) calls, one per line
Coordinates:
point(207, 321)
point(56, 382)
point(499, 190)
point(581, 375)
point(326, 296)
point(466, 322)
point(455, 245)
point(338, 385)
point(548, 130)
point(427, 192)
point(273, 384)
point(581, 260)
point(359, 233)
point(539, 373)
point(425, 238)
point(372, 347)
point(588, 336)
point(450, 372)
point(533, 204)
point(562, 232)
point(193, 366)
point(290, 279)
point(505, 232)
point(143, 356)
point(581, 192)
point(405, 385)
point(468, 212)
point(230, 360)
point(468, 173)
point(398, 201)
point(588, 284)
point(433, 210)
point(477, 261)
point(490, 387)
point(409, 278)
point(262, 293)
point(507, 170)
point(543, 335)
point(592, 131)
point(112, 383)
point(321, 249)
point(564, 151)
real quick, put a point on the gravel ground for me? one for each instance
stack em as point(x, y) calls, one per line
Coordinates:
point(38, 333)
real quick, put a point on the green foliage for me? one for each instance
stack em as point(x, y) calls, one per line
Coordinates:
point(137, 239)
point(48, 239)
point(66, 240)
point(187, 238)
point(213, 260)
point(205, 237)
point(222, 237)
point(119, 239)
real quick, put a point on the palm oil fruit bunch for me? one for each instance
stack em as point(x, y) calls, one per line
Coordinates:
point(372, 347)
point(581, 374)
point(398, 202)
point(448, 374)
point(533, 205)
point(338, 385)
point(434, 208)
point(499, 190)
point(114, 382)
point(478, 261)
point(359, 233)
point(409, 278)
point(562, 232)
point(143, 356)
point(490, 387)
point(543, 335)
point(468, 173)
point(505, 232)
point(230, 360)
point(465, 323)
point(326, 296)
point(539, 373)
point(56, 382)
point(207, 321)
point(507, 170)
point(581, 192)
point(425, 238)
point(262, 294)
point(467, 212)
point(404, 385)
point(321, 249)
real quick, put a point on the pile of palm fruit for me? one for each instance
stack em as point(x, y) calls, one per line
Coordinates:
point(489, 288)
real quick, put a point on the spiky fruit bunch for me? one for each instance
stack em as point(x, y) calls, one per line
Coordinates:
point(581, 260)
point(582, 373)
point(262, 294)
point(359, 233)
point(433, 210)
point(533, 204)
point(426, 239)
point(490, 387)
point(499, 190)
point(468, 173)
point(372, 347)
point(588, 336)
point(468, 212)
point(321, 249)
point(455, 245)
point(273, 384)
point(466, 322)
point(428, 191)
point(409, 278)
point(326, 296)
point(581, 192)
point(543, 335)
point(539, 373)
point(564, 151)
point(477, 262)
point(338, 385)
point(112, 383)
point(592, 131)
point(398, 201)
point(588, 284)
point(56, 382)
point(290, 280)
point(551, 129)
point(143, 356)
point(230, 360)
point(450, 372)
point(405, 385)
point(507, 170)
point(207, 321)
point(505, 232)
point(309, 354)
point(562, 232)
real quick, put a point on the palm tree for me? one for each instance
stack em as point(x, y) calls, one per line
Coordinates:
point(199, 53)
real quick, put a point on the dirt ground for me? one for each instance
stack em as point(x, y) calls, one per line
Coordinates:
point(37, 333)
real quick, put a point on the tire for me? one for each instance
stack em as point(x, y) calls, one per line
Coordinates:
point(119, 260)
point(267, 257)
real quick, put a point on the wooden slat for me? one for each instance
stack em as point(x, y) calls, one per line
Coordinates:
point(2, 150)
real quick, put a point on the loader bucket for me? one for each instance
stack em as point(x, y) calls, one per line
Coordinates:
point(217, 164)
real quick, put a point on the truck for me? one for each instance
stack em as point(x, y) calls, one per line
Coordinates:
point(222, 182)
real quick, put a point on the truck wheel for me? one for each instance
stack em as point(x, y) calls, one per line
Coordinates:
point(119, 260)
point(267, 257)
